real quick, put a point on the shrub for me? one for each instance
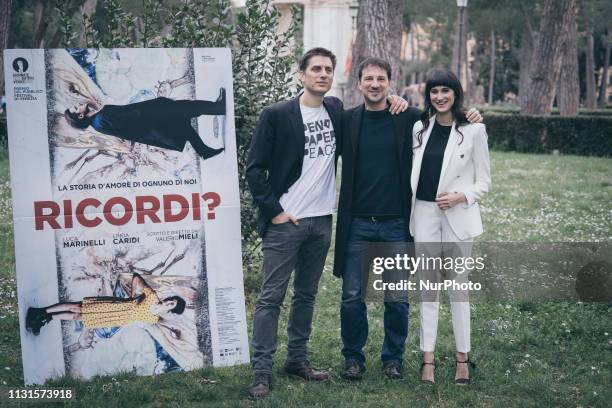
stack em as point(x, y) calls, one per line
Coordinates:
point(580, 135)
point(512, 110)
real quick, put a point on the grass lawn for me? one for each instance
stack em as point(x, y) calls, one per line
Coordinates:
point(529, 354)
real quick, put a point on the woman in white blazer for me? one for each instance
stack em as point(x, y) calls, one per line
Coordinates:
point(450, 173)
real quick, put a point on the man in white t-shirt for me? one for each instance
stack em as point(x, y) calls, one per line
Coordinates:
point(291, 174)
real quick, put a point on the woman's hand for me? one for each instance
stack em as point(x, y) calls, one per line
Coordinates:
point(397, 104)
point(138, 285)
point(473, 116)
point(86, 339)
point(449, 200)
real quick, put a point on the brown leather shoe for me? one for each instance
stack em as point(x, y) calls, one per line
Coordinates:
point(260, 387)
point(353, 371)
point(393, 371)
point(304, 370)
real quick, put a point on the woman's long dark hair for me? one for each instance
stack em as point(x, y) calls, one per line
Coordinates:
point(79, 123)
point(442, 77)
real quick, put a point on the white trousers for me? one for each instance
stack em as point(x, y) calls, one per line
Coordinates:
point(432, 233)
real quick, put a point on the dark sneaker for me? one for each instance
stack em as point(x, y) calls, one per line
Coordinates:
point(304, 370)
point(393, 371)
point(260, 387)
point(353, 371)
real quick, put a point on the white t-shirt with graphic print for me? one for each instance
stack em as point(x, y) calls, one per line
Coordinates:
point(314, 193)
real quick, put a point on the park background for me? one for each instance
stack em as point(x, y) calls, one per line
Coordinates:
point(538, 70)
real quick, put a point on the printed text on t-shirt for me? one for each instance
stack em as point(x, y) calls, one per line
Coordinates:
point(319, 139)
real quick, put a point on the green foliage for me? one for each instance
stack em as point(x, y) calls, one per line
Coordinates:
point(200, 24)
point(507, 67)
point(261, 60)
point(65, 23)
point(150, 21)
point(581, 135)
point(120, 26)
point(92, 35)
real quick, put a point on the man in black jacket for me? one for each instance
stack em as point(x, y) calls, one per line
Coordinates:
point(374, 206)
point(291, 174)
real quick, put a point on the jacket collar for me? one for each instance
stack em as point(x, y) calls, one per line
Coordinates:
point(297, 127)
point(453, 139)
point(356, 127)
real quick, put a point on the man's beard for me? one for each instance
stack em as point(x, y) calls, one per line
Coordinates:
point(370, 101)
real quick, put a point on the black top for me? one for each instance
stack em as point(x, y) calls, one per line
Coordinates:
point(377, 190)
point(431, 166)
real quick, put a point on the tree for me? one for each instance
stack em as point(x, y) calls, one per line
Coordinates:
point(495, 66)
point(5, 20)
point(379, 34)
point(492, 69)
point(87, 9)
point(591, 97)
point(459, 58)
point(545, 66)
point(42, 9)
point(528, 40)
point(568, 94)
point(603, 87)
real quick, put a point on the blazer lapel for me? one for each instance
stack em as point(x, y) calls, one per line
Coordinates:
point(356, 128)
point(399, 138)
point(418, 156)
point(297, 128)
point(332, 115)
point(448, 152)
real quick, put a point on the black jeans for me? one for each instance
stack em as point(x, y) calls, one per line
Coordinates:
point(288, 247)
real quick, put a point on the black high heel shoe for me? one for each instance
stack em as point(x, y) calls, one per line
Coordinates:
point(464, 381)
point(433, 363)
point(221, 97)
point(220, 102)
point(36, 318)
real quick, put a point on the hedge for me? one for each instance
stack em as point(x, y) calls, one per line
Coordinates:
point(580, 135)
point(607, 112)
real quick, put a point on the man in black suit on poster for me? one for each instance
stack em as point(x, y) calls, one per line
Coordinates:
point(160, 122)
point(374, 206)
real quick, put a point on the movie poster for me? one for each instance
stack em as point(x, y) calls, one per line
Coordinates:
point(126, 210)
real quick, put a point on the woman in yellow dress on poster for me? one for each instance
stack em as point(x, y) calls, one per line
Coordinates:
point(108, 311)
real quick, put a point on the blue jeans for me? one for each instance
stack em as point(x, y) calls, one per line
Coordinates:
point(353, 311)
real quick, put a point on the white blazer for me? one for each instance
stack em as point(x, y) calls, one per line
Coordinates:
point(465, 169)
